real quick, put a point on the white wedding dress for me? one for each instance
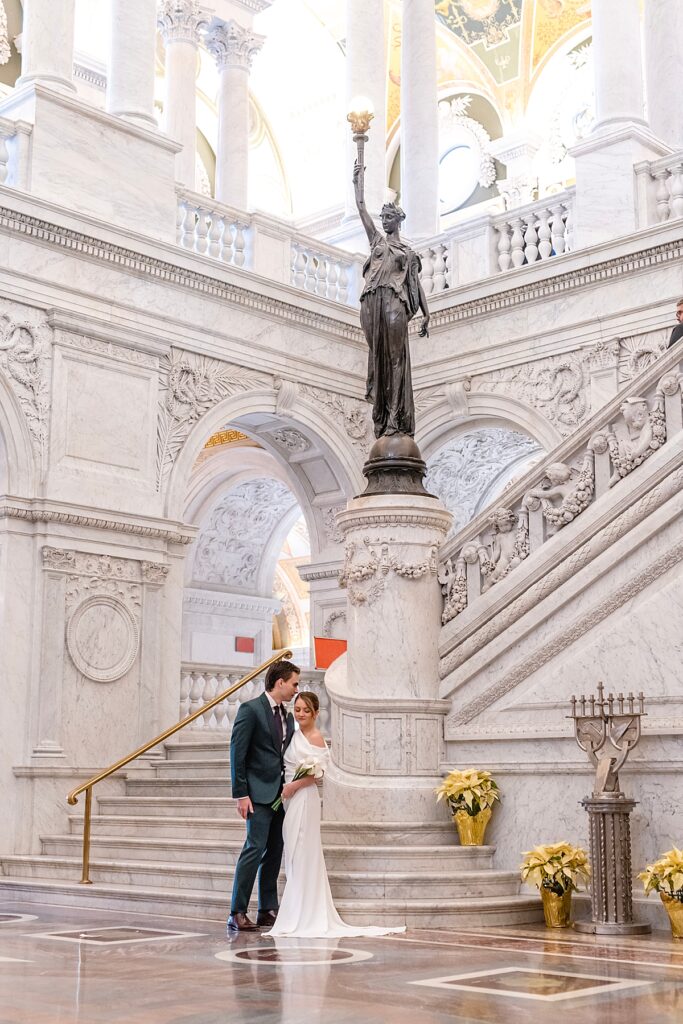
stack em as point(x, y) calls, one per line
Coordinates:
point(306, 908)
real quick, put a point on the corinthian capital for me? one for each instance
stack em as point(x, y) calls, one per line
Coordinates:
point(231, 45)
point(181, 20)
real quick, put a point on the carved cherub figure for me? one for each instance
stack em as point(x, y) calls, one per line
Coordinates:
point(507, 547)
point(630, 442)
point(559, 474)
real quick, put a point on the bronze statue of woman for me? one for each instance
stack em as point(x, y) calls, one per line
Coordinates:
point(390, 298)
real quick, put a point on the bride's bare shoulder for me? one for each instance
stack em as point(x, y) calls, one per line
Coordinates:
point(316, 739)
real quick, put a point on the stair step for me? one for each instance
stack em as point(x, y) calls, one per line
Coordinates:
point(197, 749)
point(480, 912)
point(189, 806)
point(201, 767)
point(230, 826)
point(224, 852)
point(368, 885)
point(207, 786)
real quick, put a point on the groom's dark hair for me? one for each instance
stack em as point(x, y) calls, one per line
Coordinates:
point(280, 670)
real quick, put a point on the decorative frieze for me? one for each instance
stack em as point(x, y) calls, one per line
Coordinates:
point(556, 387)
point(353, 413)
point(44, 515)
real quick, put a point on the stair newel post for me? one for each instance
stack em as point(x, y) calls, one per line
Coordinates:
point(87, 813)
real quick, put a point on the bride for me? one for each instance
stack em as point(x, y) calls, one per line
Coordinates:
point(306, 908)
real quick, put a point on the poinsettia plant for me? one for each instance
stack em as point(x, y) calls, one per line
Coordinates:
point(468, 790)
point(558, 867)
point(665, 875)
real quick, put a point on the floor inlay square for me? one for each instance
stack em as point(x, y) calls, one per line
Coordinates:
point(114, 935)
point(528, 983)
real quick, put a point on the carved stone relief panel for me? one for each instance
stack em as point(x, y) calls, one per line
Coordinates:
point(330, 525)
point(556, 387)
point(190, 385)
point(290, 440)
point(25, 357)
point(231, 544)
point(103, 602)
point(353, 414)
point(463, 471)
point(639, 351)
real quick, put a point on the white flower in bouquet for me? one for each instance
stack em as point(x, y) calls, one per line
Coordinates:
point(306, 768)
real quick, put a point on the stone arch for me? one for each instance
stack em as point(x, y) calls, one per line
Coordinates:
point(329, 469)
point(440, 424)
point(17, 460)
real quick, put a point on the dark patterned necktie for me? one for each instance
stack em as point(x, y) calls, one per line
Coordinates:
point(278, 724)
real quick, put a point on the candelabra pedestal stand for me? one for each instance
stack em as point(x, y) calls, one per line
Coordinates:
point(610, 855)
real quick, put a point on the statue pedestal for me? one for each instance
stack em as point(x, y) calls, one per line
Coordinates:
point(387, 720)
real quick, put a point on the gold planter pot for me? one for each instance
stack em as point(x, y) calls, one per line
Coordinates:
point(674, 909)
point(471, 828)
point(557, 910)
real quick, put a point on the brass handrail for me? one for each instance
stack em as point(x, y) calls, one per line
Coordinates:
point(87, 786)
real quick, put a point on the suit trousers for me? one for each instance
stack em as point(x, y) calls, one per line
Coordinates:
point(263, 849)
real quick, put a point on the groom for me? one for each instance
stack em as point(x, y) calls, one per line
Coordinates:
point(260, 736)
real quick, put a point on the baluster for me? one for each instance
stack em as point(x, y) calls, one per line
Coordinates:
point(210, 691)
point(531, 240)
point(321, 276)
point(179, 213)
point(311, 272)
point(227, 249)
point(332, 279)
point(343, 286)
point(232, 707)
point(440, 268)
point(677, 191)
point(189, 224)
point(504, 258)
point(202, 230)
point(545, 246)
point(662, 195)
point(239, 245)
point(185, 684)
point(557, 229)
point(517, 243)
point(428, 271)
point(298, 266)
point(196, 692)
point(569, 228)
point(215, 233)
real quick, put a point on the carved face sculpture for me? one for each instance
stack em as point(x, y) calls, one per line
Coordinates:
point(635, 412)
point(503, 520)
point(391, 217)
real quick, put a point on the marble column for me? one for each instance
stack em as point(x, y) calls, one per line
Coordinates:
point(663, 70)
point(617, 62)
point(234, 48)
point(130, 74)
point(607, 200)
point(387, 718)
point(47, 44)
point(419, 120)
point(366, 75)
point(179, 22)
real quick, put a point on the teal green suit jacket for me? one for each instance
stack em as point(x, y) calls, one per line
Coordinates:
point(255, 757)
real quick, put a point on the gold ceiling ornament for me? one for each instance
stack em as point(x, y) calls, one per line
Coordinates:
point(225, 437)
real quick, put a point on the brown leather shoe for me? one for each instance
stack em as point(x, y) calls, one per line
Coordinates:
point(266, 918)
point(240, 922)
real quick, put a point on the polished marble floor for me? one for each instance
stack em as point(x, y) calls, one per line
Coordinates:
point(65, 966)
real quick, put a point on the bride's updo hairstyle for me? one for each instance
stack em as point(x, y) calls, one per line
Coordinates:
point(310, 700)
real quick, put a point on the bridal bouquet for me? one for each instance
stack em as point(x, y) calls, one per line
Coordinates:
point(310, 767)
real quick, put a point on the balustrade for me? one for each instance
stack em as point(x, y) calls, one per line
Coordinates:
point(214, 230)
point(325, 271)
point(534, 232)
point(615, 442)
point(664, 188)
point(14, 152)
point(200, 683)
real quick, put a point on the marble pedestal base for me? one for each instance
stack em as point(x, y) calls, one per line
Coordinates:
point(387, 720)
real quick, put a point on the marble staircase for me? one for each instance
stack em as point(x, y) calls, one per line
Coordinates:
point(169, 844)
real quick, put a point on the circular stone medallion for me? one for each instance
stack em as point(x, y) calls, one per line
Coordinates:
point(294, 956)
point(102, 638)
